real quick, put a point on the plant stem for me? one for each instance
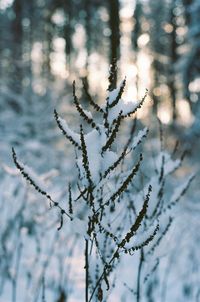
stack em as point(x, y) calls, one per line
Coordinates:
point(102, 275)
point(139, 275)
point(86, 271)
point(15, 279)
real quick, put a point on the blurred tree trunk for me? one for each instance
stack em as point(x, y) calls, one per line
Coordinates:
point(173, 60)
point(47, 45)
point(68, 30)
point(88, 31)
point(17, 33)
point(187, 4)
point(28, 38)
point(155, 84)
point(114, 23)
point(1, 48)
point(135, 35)
point(187, 74)
point(88, 46)
point(31, 11)
point(159, 50)
point(191, 69)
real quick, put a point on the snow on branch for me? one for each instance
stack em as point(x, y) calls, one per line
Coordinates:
point(127, 109)
point(85, 160)
point(90, 99)
point(116, 94)
point(126, 182)
point(180, 191)
point(86, 116)
point(113, 134)
point(68, 133)
point(137, 140)
point(32, 178)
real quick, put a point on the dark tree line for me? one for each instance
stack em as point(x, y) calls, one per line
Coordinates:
point(173, 41)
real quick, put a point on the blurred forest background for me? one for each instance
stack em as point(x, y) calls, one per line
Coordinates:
point(44, 46)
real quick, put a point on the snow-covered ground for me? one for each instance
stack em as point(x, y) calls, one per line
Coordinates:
point(40, 263)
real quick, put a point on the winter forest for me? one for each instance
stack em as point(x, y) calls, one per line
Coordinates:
point(99, 150)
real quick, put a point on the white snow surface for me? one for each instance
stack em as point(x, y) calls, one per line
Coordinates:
point(123, 107)
point(98, 162)
point(74, 135)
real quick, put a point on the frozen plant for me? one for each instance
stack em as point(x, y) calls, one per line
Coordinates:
point(112, 221)
point(158, 172)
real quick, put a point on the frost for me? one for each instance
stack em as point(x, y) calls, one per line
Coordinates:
point(181, 189)
point(36, 179)
point(68, 130)
point(141, 237)
point(109, 158)
point(139, 137)
point(87, 113)
point(124, 107)
point(10, 170)
point(112, 95)
point(170, 165)
point(98, 163)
